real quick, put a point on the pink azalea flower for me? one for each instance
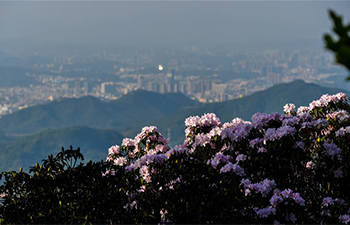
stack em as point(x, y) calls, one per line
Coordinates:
point(114, 150)
point(289, 108)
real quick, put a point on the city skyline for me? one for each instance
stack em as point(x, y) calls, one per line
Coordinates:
point(200, 73)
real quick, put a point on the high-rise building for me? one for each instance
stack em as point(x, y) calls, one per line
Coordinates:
point(76, 88)
point(183, 88)
point(108, 88)
point(86, 87)
point(274, 78)
point(155, 86)
point(294, 62)
point(162, 88)
point(219, 88)
point(170, 82)
point(266, 70)
point(140, 81)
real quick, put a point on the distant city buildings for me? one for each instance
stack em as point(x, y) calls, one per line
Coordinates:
point(204, 75)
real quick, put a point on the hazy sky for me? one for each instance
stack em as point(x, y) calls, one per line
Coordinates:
point(130, 22)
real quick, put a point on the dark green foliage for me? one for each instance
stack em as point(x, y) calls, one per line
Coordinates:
point(341, 45)
point(203, 195)
point(62, 191)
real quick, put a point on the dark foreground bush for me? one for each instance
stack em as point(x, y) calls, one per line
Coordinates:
point(59, 191)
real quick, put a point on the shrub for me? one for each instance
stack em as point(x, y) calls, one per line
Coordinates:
point(276, 168)
point(59, 191)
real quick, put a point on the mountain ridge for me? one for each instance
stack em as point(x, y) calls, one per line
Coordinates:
point(90, 111)
point(26, 151)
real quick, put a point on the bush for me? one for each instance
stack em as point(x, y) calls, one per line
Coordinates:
point(59, 191)
point(276, 168)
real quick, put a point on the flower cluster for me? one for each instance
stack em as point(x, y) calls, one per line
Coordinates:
point(263, 187)
point(327, 99)
point(342, 131)
point(147, 143)
point(289, 108)
point(243, 166)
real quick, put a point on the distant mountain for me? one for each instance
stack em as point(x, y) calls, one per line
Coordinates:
point(267, 101)
point(26, 151)
point(132, 108)
point(164, 103)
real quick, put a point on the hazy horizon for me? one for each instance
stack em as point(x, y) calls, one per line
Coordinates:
point(168, 23)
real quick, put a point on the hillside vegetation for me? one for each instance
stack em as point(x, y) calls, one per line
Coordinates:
point(90, 111)
point(26, 151)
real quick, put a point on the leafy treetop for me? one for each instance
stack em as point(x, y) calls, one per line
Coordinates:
point(340, 47)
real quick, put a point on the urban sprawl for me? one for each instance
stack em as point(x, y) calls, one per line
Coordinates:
point(201, 74)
